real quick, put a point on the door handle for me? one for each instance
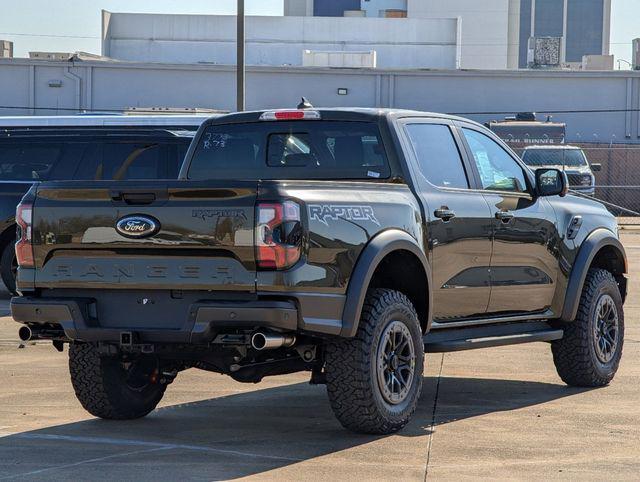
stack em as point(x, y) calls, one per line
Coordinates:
point(505, 216)
point(444, 213)
point(133, 198)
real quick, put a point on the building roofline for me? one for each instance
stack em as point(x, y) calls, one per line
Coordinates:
point(110, 63)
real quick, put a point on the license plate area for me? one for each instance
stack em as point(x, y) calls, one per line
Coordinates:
point(142, 310)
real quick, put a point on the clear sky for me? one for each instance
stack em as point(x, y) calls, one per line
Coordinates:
point(625, 26)
point(71, 25)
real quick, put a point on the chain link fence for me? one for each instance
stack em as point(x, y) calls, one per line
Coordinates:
point(617, 181)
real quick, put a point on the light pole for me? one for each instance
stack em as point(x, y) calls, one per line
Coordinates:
point(240, 69)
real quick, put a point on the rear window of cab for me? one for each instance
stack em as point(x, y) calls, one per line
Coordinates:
point(290, 150)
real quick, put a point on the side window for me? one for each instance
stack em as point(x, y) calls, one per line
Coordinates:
point(355, 150)
point(498, 170)
point(72, 154)
point(132, 161)
point(439, 159)
point(123, 161)
point(28, 161)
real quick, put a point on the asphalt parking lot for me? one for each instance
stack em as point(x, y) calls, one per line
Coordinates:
point(495, 413)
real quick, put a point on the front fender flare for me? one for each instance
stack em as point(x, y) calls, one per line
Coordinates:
point(596, 240)
point(374, 252)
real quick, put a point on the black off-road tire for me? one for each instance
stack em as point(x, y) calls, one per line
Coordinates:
point(100, 386)
point(575, 354)
point(7, 266)
point(351, 367)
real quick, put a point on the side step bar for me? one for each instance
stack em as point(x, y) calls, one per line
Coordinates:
point(458, 339)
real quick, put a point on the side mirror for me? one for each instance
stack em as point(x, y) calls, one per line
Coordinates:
point(596, 167)
point(551, 182)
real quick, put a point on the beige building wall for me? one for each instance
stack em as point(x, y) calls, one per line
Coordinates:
point(298, 8)
point(484, 28)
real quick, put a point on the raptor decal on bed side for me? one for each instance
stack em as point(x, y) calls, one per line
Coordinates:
point(329, 212)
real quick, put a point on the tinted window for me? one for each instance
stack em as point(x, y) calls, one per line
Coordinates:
point(28, 162)
point(438, 155)
point(60, 155)
point(290, 150)
point(123, 161)
point(498, 170)
point(554, 157)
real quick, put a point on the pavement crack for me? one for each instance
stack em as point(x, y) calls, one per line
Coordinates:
point(154, 445)
point(83, 462)
point(433, 418)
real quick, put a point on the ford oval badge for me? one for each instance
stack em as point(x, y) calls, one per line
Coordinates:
point(137, 226)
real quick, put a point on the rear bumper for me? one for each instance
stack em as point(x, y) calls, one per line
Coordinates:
point(204, 320)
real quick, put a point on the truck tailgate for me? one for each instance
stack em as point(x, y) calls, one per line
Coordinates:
point(183, 235)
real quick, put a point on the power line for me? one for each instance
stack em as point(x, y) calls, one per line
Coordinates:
point(49, 35)
point(543, 111)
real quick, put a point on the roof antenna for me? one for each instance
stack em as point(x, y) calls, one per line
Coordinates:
point(305, 104)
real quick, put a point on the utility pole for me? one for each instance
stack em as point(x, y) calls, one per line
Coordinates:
point(240, 68)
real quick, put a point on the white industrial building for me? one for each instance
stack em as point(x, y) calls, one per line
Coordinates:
point(276, 41)
point(489, 29)
point(432, 34)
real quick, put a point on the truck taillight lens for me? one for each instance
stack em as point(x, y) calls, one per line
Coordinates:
point(278, 235)
point(24, 247)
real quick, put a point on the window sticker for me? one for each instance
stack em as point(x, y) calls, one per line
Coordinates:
point(214, 141)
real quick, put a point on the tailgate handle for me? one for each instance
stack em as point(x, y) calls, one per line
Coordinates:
point(134, 198)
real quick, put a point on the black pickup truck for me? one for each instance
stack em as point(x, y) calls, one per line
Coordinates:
point(342, 242)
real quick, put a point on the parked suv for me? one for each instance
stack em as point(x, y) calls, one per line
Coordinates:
point(89, 147)
point(571, 159)
point(342, 242)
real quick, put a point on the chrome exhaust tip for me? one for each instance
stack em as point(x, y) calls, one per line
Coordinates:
point(269, 341)
point(25, 333)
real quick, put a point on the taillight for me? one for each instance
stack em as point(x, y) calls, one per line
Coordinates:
point(24, 248)
point(278, 235)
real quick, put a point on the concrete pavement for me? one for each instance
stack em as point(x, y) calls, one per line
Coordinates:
point(499, 413)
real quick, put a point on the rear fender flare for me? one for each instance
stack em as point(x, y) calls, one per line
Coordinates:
point(380, 246)
point(597, 240)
